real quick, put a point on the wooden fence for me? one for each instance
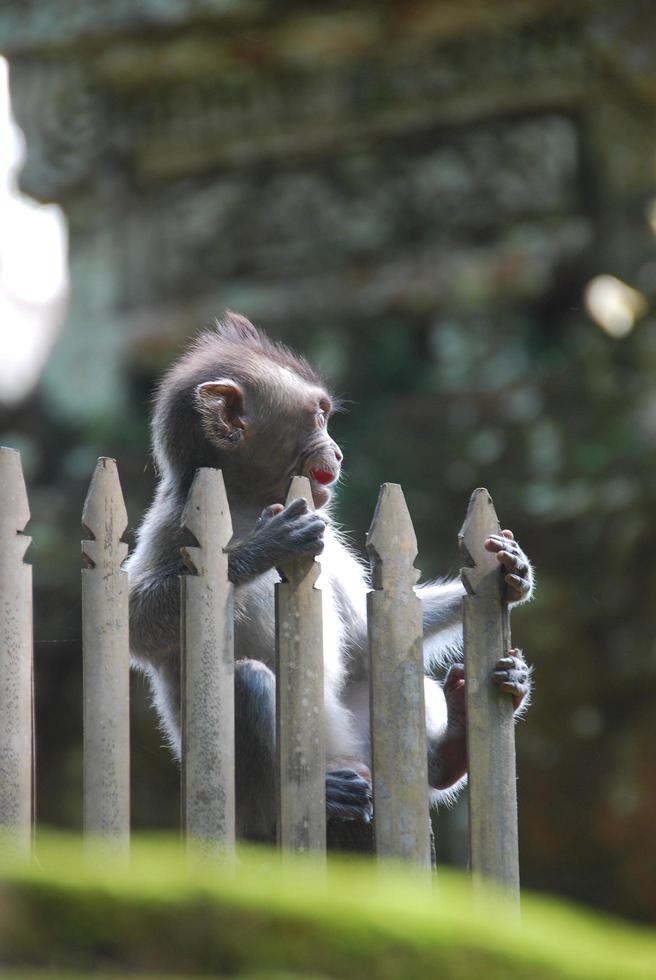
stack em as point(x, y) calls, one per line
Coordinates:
point(399, 771)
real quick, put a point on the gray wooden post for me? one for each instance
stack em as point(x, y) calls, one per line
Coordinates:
point(398, 720)
point(493, 832)
point(208, 672)
point(16, 717)
point(300, 723)
point(106, 663)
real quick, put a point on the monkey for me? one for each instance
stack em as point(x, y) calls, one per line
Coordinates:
point(247, 405)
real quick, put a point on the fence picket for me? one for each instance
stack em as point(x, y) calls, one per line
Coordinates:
point(16, 678)
point(207, 638)
point(398, 722)
point(493, 836)
point(300, 725)
point(106, 665)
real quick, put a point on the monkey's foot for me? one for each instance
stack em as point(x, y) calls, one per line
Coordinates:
point(348, 796)
point(511, 675)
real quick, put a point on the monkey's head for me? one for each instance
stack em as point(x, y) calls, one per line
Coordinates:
point(240, 402)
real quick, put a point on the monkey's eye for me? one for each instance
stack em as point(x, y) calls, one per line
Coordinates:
point(323, 414)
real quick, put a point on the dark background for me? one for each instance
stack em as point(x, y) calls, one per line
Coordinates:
point(417, 196)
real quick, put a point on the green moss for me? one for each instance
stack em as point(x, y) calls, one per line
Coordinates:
point(166, 918)
point(31, 974)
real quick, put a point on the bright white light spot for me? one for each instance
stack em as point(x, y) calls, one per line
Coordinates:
point(613, 305)
point(33, 268)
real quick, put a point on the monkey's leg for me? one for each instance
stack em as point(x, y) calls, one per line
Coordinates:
point(348, 792)
point(164, 678)
point(255, 713)
point(348, 780)
point(255, 733)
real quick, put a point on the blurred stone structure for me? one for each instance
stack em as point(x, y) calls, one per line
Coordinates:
point(322, 166)
point(416, 194)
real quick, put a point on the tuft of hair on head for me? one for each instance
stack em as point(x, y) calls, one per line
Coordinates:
point(235, 330)
point(235, 327)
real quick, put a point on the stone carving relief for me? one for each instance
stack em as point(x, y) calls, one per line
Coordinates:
point(403, 195)
point(64, 121)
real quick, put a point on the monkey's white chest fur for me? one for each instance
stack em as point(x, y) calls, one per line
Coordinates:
point(343, 587)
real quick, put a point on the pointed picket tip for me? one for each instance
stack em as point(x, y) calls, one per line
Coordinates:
point(104, 508)
point(206, 516)
point(15, 509)
point(391, 539)
point(300, 487)
point(480, 522)
point(206, 497)
point(391, 527)
point(104, 517)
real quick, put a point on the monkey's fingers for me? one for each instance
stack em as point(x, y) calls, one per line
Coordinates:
point(306, 536)
point(514, 658)
point(515, 564)
point(350, 767)
point(271, 511)
point(502, 542)
point(296, 508)
point(517, 588)
point(349, 775)
point(455, 677)
point(309, 522)
point(511, 675)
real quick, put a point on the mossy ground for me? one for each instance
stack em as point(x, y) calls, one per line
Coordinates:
point(73, 915)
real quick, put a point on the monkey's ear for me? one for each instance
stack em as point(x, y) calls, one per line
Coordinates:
point(221, 405)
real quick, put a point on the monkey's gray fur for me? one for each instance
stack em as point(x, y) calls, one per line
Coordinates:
point(241, 403)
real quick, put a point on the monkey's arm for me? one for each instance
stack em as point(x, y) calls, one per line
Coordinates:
point(154, 568)
point(441, 604)
point(442, 601)
point(280, 533)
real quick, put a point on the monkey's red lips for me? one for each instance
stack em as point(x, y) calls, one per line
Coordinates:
point(322, 476)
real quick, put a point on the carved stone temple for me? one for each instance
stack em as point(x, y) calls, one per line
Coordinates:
point(322, 166)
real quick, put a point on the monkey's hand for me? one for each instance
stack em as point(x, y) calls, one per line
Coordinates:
point(280, 533)
point(447, 761)
point(348, 794)
point(516, 566)
point(512, 675)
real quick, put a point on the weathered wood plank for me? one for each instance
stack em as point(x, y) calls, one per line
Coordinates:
point(493, 830)
point(208, 672)
point(16, 713)
point(300, 720)
point(106, 663)
point(398, 720)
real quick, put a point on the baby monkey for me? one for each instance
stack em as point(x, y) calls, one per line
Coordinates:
point(241, 403)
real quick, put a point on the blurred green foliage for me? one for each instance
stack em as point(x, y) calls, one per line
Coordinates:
point(79, 912)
